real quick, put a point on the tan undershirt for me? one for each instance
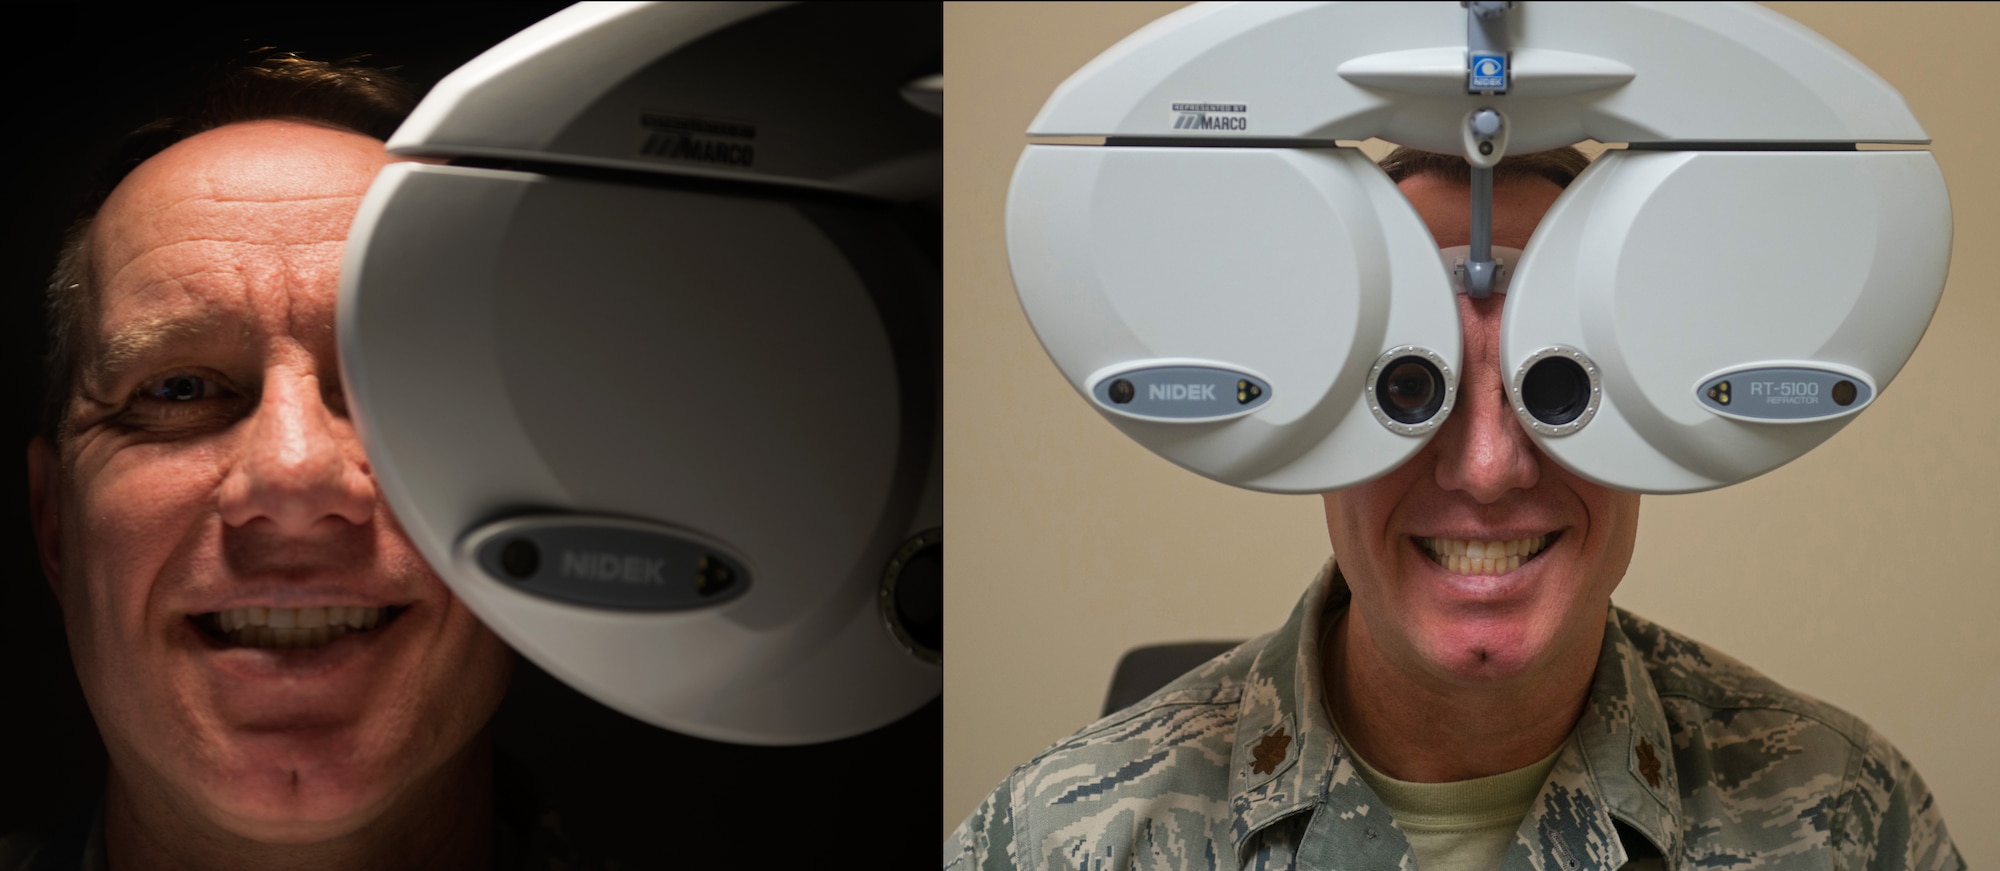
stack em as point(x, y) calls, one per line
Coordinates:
point(1462, 826)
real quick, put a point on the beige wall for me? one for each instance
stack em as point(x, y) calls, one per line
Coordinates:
point(1863, 573)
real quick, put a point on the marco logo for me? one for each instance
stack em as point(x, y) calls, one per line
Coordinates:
point(1211, 116)
point(703, 140)
point(1204, 121)
point(1184, 392)
point(599, 566)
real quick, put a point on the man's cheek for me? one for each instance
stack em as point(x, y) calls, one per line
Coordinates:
point(107, 578)
point(138, 503)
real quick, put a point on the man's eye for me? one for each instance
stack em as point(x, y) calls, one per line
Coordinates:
point(181, 388)
point(181, 399)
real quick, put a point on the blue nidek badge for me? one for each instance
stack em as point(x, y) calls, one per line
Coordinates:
point(1180, 394)
point(1489, 72)
point(1784, 394)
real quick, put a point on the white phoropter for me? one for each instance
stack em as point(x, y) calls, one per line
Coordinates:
point(1244, 297)
point(650, 369)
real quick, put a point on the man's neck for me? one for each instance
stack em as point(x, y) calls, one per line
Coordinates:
point(1416, 729)
point(444, 821)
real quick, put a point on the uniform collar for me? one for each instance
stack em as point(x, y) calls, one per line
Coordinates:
point(1616, 765)
point(1624, 738)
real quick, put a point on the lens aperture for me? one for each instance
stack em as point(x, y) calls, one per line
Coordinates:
point(1410, 390)
point(1556, 390)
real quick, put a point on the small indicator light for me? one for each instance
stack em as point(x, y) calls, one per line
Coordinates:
point(712, 576)
point(1121, 391)
point(1843, 393)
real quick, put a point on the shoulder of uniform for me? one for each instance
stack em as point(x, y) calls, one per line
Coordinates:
point(1218, 682)
point(1742, 740)
point(1195, 712)
point(1174, 745)
point(1683, 668)
point(1191, 719)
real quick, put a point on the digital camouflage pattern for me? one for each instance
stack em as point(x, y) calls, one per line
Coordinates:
point(1685, 759)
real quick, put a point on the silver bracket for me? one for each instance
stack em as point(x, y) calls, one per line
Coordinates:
point(1486, 56)
point(1486, 73)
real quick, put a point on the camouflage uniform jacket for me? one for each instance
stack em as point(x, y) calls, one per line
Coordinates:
point(1684, 759)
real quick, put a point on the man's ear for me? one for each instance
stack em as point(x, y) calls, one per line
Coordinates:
point(45, 506)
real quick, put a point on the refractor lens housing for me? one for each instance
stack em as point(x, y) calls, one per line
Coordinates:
point(1410, 390)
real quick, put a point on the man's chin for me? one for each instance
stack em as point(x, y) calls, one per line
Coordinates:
point(301, 793)
point(1488, 629)
point(1485, 652)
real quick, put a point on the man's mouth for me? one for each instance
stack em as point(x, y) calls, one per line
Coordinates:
point(292, 627)
point(1462, 556)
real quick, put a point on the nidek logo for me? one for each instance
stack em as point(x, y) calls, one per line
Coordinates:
point(1211, 116)
point(1184, 392)
point(586, 565)
point(702, 140)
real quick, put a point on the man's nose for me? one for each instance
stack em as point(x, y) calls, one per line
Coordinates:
point(298, 463)
point(1482, 449)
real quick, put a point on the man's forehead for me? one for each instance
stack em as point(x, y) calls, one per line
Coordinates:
point(257, 183)
point(1446, 207)
point(229, 235)
point(192, 255)
point(121, 237)
point(272, 159)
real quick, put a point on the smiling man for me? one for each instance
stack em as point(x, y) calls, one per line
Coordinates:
point(279, 678)
point(1455, 690)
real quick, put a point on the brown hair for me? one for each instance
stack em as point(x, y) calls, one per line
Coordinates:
point(263, 85)
point(1559, 165)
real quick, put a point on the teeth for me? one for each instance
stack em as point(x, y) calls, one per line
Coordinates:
point(1476, 557)
point(292, 627)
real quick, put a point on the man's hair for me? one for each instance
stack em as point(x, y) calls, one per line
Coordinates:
point(1559, 165)
point(264, 85)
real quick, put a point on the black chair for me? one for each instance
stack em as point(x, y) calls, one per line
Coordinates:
point(1145, 669)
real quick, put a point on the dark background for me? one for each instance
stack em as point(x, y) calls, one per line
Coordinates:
point(82, 76)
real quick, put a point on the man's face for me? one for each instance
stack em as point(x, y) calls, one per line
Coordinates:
point(212, 476)
point(1563, 542)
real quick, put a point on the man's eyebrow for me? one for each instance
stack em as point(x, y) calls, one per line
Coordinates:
point(137, 341)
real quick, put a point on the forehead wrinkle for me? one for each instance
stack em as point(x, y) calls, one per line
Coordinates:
point(342, 198)
point(213, 195)
point(207, 265)
point(254, 222)
point(255, 214)
point(146, 218)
